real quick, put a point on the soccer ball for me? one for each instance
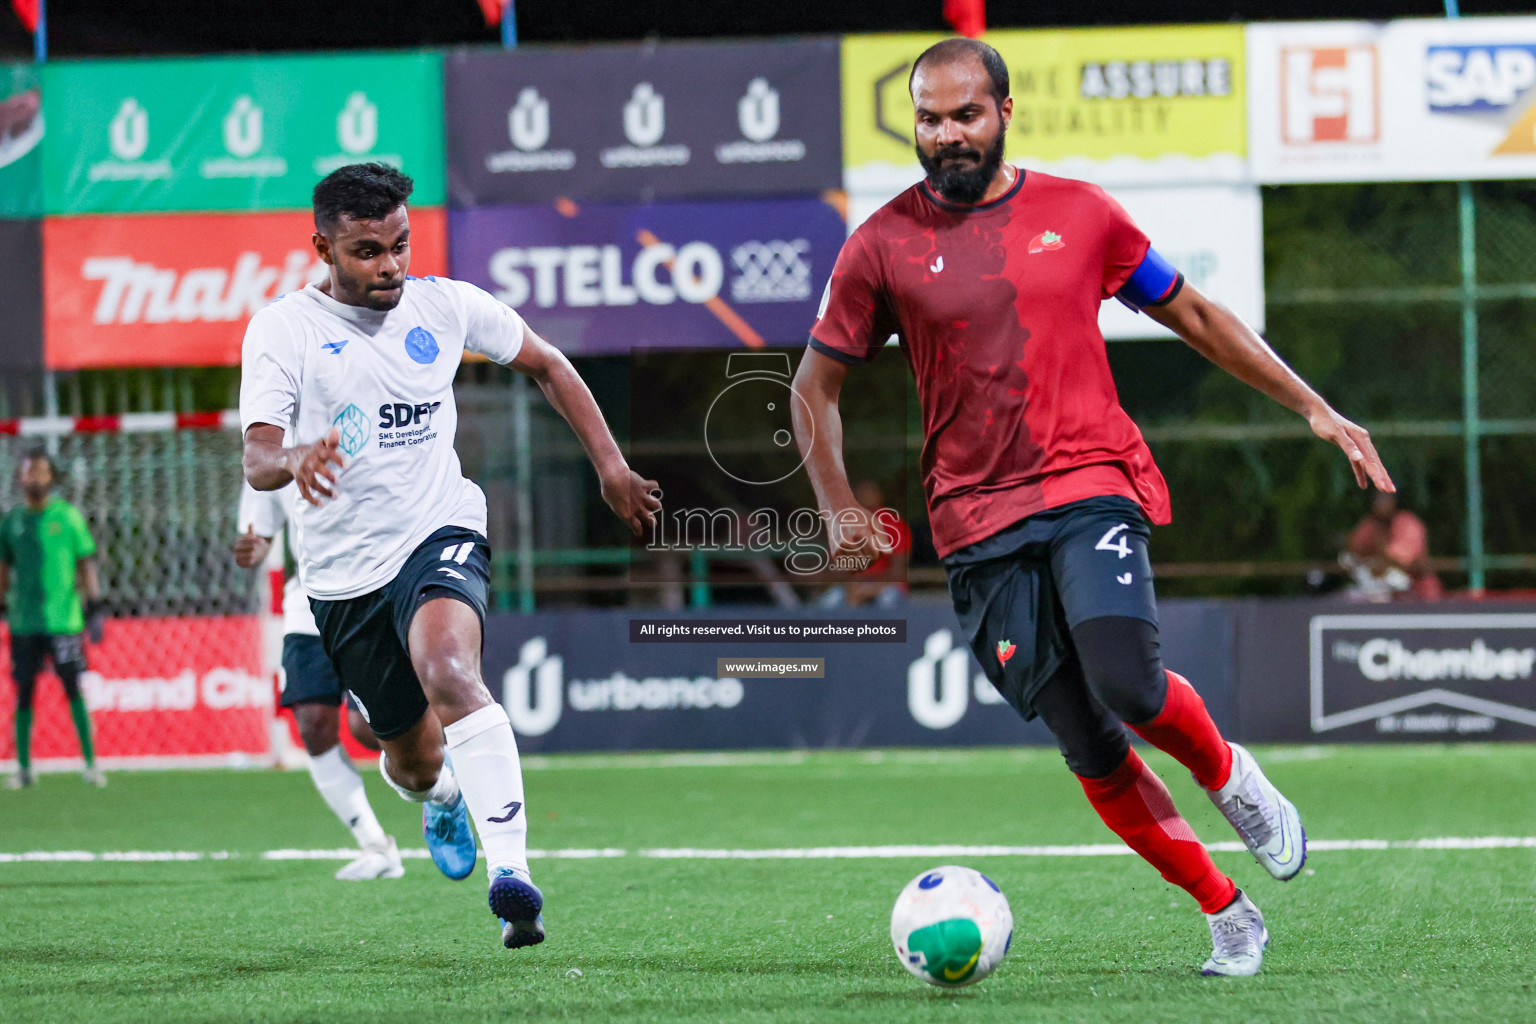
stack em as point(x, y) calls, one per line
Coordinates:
point(951, 926)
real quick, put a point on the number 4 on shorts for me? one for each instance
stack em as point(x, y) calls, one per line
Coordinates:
point(460, 552)
point(1112, 541)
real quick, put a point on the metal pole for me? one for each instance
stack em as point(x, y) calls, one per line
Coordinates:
point(1477, 562)
point(1471, 420)
point(40, 37)
point(509, 25)
point(522, 479)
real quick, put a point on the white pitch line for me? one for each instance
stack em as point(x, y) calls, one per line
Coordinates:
point(788, 853)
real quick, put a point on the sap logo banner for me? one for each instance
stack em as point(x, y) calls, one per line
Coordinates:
point(635, 123)
point(1416, 675)
point(535, 694)
point(940, 684)
point(606, 277)
point(1486, 84)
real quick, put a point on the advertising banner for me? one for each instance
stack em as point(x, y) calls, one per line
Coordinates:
point(1327, 671)
point(240, 133)
point(1417, 100)
point(177, 290)
point(642, 122)
point(21, 137)
point(575, 681)
point(610, 277)
point(1214, 234)
point(158, 690)
point(21, 268)
point(1116, 106)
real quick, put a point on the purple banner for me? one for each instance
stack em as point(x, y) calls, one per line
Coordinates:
point(607, 278)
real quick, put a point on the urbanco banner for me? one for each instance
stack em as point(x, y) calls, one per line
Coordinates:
point(237, 133)
point(575, 681)
point(1115, 106)
point(1415, 100)
point(642, 122)
point(607, 278)
point(178, 289)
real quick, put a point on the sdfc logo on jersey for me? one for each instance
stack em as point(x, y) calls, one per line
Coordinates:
point(1330, 94)
point(355, 429)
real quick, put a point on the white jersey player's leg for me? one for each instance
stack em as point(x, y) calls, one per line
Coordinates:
point(341, 787)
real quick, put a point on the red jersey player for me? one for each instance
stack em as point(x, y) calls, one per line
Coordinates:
point(1039, 486)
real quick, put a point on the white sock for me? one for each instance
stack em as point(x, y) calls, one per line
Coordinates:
point(491, 776)
point(342, 788)
point(444, 791)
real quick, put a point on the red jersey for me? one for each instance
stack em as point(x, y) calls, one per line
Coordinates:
point(997, 310)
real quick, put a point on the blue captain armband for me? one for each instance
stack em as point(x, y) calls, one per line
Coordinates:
point(1155, 283)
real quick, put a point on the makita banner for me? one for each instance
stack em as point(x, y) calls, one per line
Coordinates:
point(1341, 672)
point(21, 137)
point(159, 690)
point(609, 277)
point(235, 133)
point(640, 122)
point(177, 290)
point(574, 681)
point(21, 268)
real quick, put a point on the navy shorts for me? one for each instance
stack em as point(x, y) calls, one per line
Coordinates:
point(1018, 593)
point(308, 676)
point(366, 637)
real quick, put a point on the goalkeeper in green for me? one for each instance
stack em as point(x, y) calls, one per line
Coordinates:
point(46, 564)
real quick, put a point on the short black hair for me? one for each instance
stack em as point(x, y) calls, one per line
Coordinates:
point(38, 453)
point(362, 191)
point(949, 51)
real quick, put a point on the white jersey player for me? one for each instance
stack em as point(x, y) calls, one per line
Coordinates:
point(314, 695)
point(360, 369)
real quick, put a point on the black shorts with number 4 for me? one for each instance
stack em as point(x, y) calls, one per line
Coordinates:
point(366, 637)
point(1019, 592)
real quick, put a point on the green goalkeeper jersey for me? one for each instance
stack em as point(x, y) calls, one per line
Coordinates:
point(42, 549)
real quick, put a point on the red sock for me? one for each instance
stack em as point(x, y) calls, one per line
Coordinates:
point(1184, 730)
point(1136, 806)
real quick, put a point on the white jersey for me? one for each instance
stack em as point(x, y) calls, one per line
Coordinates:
point(385, 380)
point(265, 512)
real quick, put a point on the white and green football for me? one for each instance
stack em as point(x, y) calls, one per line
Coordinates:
point(951, 926)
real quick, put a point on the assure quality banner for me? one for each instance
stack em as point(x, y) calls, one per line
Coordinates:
point(174, 688)
point(177, 290)
point(235, 133)
point(1419, 100)
point(607, 278)
point(642, 122)
point(1116, 106)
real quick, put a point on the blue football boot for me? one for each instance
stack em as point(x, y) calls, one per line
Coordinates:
point(517, 902)
point(450, 839)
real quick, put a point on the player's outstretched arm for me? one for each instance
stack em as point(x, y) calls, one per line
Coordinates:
point(1221, 336)
point(818, 423)
point(630, 495)
point(268, 465)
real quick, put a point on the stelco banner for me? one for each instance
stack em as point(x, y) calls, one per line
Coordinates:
point(642, 122)
point(21, 136)
point(177, 290)
point(1403, 101)
point(1311, 671)
point(574, 681)
point(238, 133)
point(1117, 106)
point(159, 690)
point(606, 278)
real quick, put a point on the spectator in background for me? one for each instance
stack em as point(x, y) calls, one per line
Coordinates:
point(884, 583)
point(1387, 556)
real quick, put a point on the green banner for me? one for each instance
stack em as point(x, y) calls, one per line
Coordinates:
point(235, 134)
point(21, 136)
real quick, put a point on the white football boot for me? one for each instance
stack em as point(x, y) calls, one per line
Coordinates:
point(1266, 821)
point(1239, 937)
point(94, 776)
point(376, 862)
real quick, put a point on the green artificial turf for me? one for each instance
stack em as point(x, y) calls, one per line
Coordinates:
point(1393, 935)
